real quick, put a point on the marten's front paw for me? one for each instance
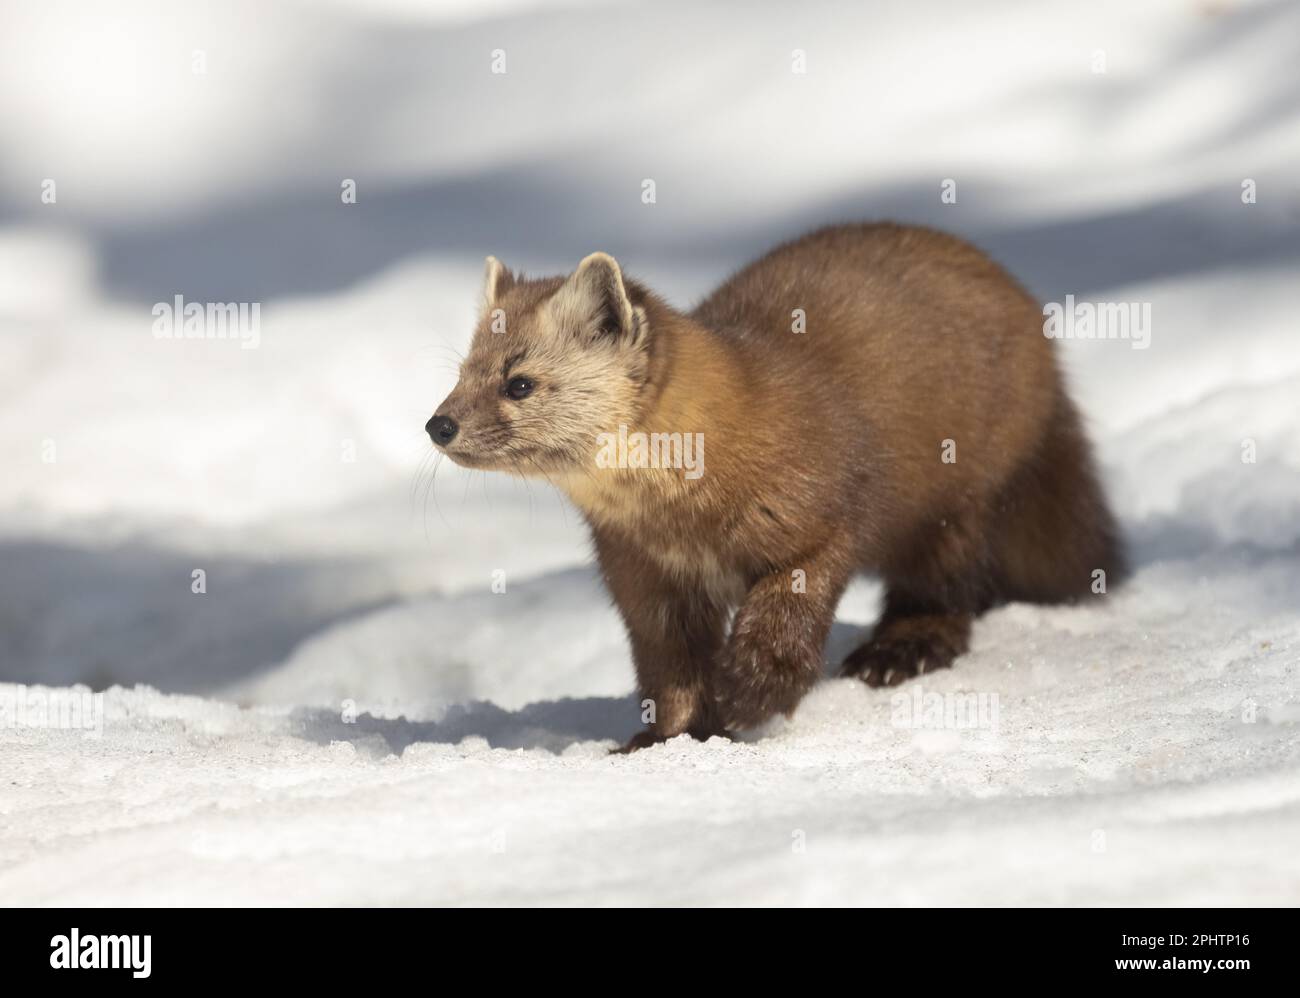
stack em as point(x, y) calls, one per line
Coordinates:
point(642, 739)
point(889, 661)
point(760, 676)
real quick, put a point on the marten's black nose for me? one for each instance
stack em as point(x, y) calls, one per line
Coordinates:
point(441, 429)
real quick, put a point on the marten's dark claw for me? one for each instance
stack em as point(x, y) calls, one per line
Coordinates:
point(891, 662)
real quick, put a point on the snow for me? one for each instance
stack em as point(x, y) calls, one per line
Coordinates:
point(352, 714)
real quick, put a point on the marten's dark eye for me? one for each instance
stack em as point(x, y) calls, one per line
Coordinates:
point(519, 388)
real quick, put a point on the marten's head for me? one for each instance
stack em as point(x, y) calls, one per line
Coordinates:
point(553, 363)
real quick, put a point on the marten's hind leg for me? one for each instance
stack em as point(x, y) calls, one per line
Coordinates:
point(910, 639)
point(935, 587)
point(1048, 537)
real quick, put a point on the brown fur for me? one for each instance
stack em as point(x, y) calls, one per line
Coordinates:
point(822, 454)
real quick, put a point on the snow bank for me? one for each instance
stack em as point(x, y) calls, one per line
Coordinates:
point(1142, 752)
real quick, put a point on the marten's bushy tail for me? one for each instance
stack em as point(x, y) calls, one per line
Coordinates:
point(1053, 530)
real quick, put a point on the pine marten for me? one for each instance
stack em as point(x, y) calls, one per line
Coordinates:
point(867, 398)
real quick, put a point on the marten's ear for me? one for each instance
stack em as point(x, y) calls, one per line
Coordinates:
point(594, 303)
point(496, 281)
